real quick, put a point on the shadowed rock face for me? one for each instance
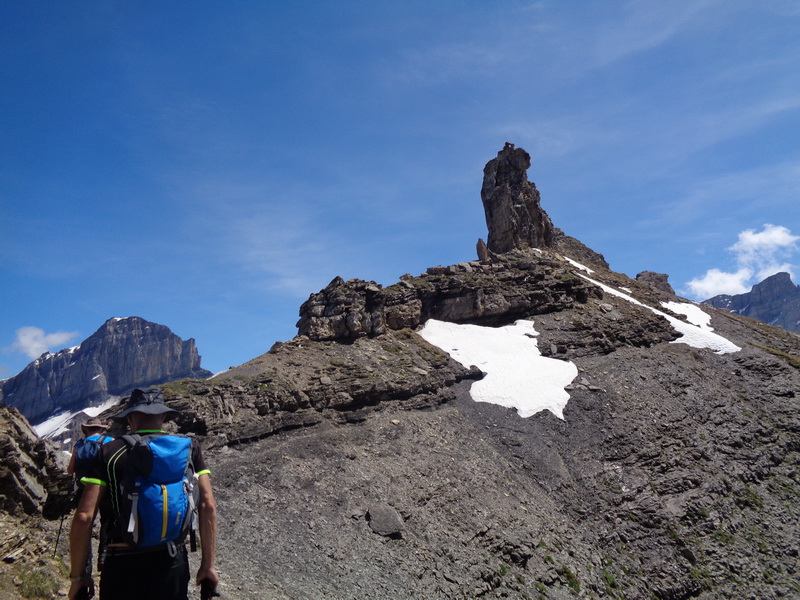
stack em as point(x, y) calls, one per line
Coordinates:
point(776, 301)
point(514, 215)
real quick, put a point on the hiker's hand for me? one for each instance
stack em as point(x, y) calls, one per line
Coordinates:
point(82, 589)
point(209, 574)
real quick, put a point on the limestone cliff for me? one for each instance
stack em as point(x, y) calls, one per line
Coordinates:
point(120, 355)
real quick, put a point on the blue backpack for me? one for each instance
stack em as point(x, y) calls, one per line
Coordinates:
point(159, 493)
point(86, 451)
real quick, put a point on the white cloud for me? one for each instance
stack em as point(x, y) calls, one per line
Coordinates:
point(716, 282)
point(33, 341)
point(758, 255)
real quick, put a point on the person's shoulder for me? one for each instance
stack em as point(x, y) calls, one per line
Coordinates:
point(112, 445)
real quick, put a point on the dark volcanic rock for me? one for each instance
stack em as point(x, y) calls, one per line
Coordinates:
point(776, 301)
point(514, 214)
point(121, 355)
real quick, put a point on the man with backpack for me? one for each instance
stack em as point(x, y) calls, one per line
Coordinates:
point(151, 484)
point(81, 462)
point(85, 450)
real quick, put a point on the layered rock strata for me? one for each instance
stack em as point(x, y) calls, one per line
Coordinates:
point(481, 292)
point(32, 480)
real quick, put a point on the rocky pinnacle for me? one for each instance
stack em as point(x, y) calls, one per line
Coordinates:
point(513, 213)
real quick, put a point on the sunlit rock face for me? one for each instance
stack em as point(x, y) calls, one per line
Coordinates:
point(120, 355)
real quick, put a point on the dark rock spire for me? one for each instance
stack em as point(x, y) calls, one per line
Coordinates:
point(513, 213)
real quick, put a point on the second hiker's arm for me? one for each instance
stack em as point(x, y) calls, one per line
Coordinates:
point(80, 535)
point(207, 514)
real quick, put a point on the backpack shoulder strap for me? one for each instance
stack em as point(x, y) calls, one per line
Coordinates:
point(131, 439)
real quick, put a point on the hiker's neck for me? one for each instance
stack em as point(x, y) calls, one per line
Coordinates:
point(140, 421)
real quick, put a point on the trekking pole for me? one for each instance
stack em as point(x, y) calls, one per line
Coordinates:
point(58, 537)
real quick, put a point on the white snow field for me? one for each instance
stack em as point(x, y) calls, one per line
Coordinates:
point(517, 375)
point(58, 423)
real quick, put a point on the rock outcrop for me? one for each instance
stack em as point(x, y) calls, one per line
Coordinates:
point(512, 205)
point(32, 479)
point(120, 355)
point(776, 301)
point(482, 292)
point(658, 282)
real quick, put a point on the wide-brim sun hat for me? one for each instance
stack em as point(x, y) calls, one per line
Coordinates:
point(92, 425)
point(149, 401)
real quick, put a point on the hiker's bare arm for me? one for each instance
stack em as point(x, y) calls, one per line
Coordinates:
point(208, 531)
point(71, 465)
point(80, 534)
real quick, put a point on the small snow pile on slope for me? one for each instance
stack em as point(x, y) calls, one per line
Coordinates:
point(692, 312)
point(517, 375)
point(579, 265)
point(693, 334)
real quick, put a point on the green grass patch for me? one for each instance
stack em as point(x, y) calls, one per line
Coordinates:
point(36, 584)
point(791, 359)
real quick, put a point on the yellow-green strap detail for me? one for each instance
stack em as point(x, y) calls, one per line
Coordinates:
point(204, 472)
point(86, 480)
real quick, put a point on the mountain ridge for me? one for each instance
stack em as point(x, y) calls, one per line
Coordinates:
point(776, 301)
point(353, 462)
point(121, 354)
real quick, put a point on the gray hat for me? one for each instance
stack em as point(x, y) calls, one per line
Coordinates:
point(149, 402)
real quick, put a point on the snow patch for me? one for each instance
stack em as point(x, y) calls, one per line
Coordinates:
point(60, 422)
point(692, 312)
point(578, 265)
point(55, 424)
point(93, 411)
point(517, 375)
point(691, 334)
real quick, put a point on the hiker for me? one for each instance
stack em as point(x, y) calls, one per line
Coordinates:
point(81, 462)
point(85, 449)
point(135, 565)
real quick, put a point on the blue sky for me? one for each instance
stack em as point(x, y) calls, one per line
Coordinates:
point(208, 165)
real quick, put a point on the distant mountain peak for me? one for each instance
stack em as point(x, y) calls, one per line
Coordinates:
point(122, 354)
point(776, 301)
